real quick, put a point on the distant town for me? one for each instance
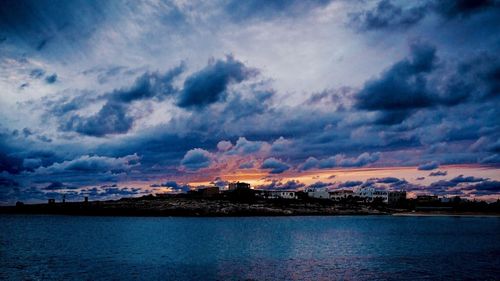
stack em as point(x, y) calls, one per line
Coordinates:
point(239, 199)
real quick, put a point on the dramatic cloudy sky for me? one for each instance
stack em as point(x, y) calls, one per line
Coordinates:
point(122, 98)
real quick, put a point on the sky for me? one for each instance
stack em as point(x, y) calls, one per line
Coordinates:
point(109, 99)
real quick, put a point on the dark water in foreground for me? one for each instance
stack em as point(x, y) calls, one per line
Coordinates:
point(261, 248)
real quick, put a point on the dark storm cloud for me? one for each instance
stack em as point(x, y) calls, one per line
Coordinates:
point(463, 8)
point(6, 182)
point(276, 166)
point(490, 186)
point(209, 85)
point(9, 161)
point(111, 119)
point(56, 185)
point(418, 83)
point(464, 185)
point(10, 164)
point(37, 73)
point(149, 85)
point(492, 159)
point(51, 79)
point(438, 174)
point(310, 163)
point(469, 179)
point(219, 182)
point(390, 180)
point(443, 184)
point(173, 185)
point(388, 15)
point(262, 9)
point(196, 159)
point(119, 191)
point(350, 184)
point(39, 24)
point(402, 88)
point(320, 184)
point(429, 166)
point(480, 76)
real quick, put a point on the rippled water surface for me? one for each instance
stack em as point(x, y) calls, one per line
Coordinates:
point(259, 248)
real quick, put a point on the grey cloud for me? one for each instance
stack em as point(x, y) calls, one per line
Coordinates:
point(279, 185)
point(402, 87)
point(262, 9)
point(492, 159)
point(463, 8)
point(438, 174)
point(37, 73)
point(350, 184)
point(429, 166)
point(276, 166)
point(112, 118)
point(56, 185)
point(244, 146)
point(173, 185)
point(149, 85)
point(386, 15)
point(219, 182)
point(92, 164)
point(51, 79)
point(246, 165)
point(389, 180)
point(209, 85)
point(196, 159)
point(340, 160)
point(320, 184)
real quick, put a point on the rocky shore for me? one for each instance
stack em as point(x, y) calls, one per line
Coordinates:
point(193, 207)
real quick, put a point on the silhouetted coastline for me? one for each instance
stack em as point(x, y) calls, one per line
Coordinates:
point(189, 206)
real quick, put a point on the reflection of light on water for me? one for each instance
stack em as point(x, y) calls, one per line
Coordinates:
point(255, 248)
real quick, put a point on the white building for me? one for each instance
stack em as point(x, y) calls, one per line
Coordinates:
point(370, 194)
point(277, 194)
point(318, 193)
point(340, 195)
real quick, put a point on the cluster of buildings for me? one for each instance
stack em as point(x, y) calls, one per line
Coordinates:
point(429, 199)
point(364, 194)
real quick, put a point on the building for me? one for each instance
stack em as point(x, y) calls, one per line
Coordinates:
point(204, 192)
point(370, 194)
point(52, 201)
point(341, 195)
point(396, 196)
point(427, 199)
point(211, 191)
point(276, 194)
point(238, 185)
point(318, 193)
point(454, 199)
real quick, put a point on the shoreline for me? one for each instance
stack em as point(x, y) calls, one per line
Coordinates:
point(189, 207)
point(446, 214)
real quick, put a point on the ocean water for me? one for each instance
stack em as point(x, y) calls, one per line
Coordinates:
point(38, 247)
